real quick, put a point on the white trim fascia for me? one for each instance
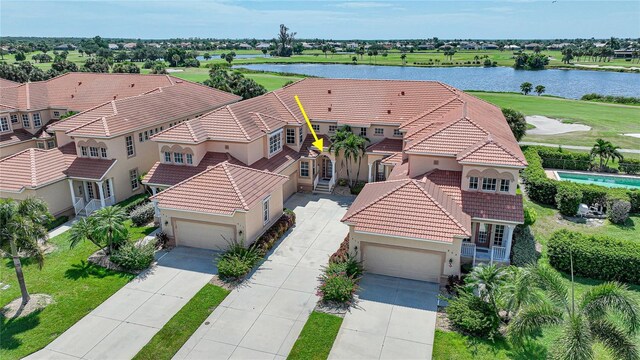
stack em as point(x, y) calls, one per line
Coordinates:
point(429, 154)
point(491, 165)
point(485, 220)
point(100, 179)
point(403, 237)
point(202, 212)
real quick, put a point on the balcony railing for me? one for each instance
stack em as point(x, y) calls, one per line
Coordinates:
point(499, 253)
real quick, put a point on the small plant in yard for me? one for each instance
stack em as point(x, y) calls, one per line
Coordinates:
point(349, 266)
point(530, 216)
point(472, 315)
point(134, 257)
point(523, 251)
point(162, 239)
point(618, 211)
point(568, 198)
point(337, 287)
point(238, 260)
point(142, 214)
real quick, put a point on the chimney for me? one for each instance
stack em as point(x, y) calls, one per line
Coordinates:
point(72, 96)
point(79, 83)
point(115, 96)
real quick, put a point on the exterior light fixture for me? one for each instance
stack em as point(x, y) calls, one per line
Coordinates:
point(450, 262)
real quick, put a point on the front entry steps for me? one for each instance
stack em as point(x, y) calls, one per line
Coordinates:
point(322, 188)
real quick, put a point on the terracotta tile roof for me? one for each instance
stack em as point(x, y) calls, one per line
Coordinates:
point(234, 122)
point(156, 107)
point(32, 168)
point(449, 181)
point(89, 169)
point(278, 162)
point(18, 135)
point(493, 206)
point(386, 146)
point(449, 139)
point(170, 174)
point(408, 208)
point(222, 189)
point(7, 83)
point(393, 159)
point(307, 149)
point(490, 152)
point(400, 171)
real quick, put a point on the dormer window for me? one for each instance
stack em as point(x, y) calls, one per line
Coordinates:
point(167, 157)
point(37, 122)
point(301, 134)
point(489, 184)
point(83, 150)
point(315, 128)
point(25, 121)
point(14, 118)
point(189, 159)
point(363, 131)
point(473, 183)
point(275, 142)
point(396, 132)
point(4, 124)
point(93, 151)
point(505, 185)
point(291, 136)
point(177, 158)
point(103, 152)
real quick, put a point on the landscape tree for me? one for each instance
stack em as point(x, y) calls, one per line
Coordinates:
point(526, 87)
point(298, 48)
point(264, 52)
point(96, 64)
point(540, 89)
point(233, 82)
point(352, 147)
point(126, 67)
point(325, 49)
point(23, 226)
point(284, 42)
point(229, 57)
point(109, 222)
point(567, 55)
point(486, 281)
point(206, 56)
point(170, 56)
point(605, 151)
point(20, 56)
point(61, 67)
point(516, 121)
point(605, 314)
point(403, 56)
point(354, 59)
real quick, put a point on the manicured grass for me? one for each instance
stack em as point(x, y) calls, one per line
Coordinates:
point(268, 80)
point(450, 345)
point(183, 324)
point(317, 337)
point(76, 286)
point(608, 121)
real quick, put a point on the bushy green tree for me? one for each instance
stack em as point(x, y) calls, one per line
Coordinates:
point(516, 121)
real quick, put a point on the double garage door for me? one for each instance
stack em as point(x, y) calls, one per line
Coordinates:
point(403, 262)
point(203, 235)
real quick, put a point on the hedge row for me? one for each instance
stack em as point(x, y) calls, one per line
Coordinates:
point(630, 166)
point(557, 159)
point(544, 190)
point(597, 257)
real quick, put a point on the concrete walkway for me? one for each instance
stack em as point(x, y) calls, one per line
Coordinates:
point(264, 316)
point(124, 323)
point(393, 319)
point(575, 147)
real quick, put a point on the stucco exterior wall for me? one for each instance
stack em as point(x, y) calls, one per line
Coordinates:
point(420, 164)
point(494, 172)
point(57, 196)
point(16, 148)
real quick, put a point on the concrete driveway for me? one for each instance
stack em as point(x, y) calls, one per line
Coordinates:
point(393, 319)
point(264, 316)
point(124, 323)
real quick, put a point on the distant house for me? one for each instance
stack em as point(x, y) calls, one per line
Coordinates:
point(469, 46)
point(512, 47)
point(426, 47)
point(245, 46)
point(113, 47)
point(65, 47)
point(263, 45)
point(129, 46)
point(532, 46)
point(623, 53)
point(490, 46)
point(599, 44)
point(558, 46)
point(307, 45)
point(351, 45)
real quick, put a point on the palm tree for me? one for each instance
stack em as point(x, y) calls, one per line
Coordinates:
point(85, 229)
point(403, 56)
point(486, 281)
point(540, 89)
point(22, 225)
point(525, 87)
point(606, 151)
point(352, 148)
point(585, 322)
point(110, 222)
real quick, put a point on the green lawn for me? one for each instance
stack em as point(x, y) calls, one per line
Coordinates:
point(76, 286)
point(183, 324)
point(608, 121)
point(317, 337)
point(268, 80)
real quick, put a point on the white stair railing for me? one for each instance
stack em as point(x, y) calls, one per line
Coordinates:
point(332, 182)
point(78, 206)
point(92, 206)
point(110, 201)
point(315, 181)
point(468, 249)
point(498, 253)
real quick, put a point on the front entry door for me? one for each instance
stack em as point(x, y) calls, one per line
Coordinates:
point(327, 169)
point(483, 232)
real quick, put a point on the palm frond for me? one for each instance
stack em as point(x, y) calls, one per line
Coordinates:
point(576, 341)
point(549, 280)
point(615, 297)
point(620, 343)
point(532, 318)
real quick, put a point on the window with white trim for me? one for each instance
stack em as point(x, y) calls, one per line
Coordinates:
point(83, 150)
point(40, 144)
point(265, 210)
point(167, 157)
point(505, 184)
point(473, 183)
point(103, 152)
point(333, 128)
point(498, 235)
point(304, 169)
point(363, 131)
point(275, 143)
point(189, 159)
point(396, 132)
point(483, 233)
point(140, 138)
point(378, 132)
point(301, 134)
point(37, 122)
point(133, 177)
point(177, 158)
point(129, 144)
point(4, 124)
point(90, 192)
point(14, 118)
point(93, 151)
point(25, 121)
point(489, 184)
point(315, 128)
point(291, 136)
point(51, 144)
point(146, 135)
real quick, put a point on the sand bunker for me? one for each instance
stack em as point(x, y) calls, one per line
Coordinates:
point(549, 126)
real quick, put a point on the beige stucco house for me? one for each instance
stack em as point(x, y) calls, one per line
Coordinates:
point(442, 168)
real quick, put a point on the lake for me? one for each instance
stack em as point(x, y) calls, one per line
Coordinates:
point(565, 83)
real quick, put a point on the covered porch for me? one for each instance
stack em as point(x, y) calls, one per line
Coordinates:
point(489, 243)
point(324, 176)
point(88, 196)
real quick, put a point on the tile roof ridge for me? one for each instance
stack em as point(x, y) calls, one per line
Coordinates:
point(114, 107)
point(403, 182)
point(235, 118)
point(445, 126)
point(81, 113)
point(257, 170)
point(232, 181)
point(448, 87)
point(170, 78)
point(426, 182)
point(105, 125)
point(187, 124)
point(28, 94)
point(285, 105)
point(485, 142)
point(87, 123)
point(32, 167)
point(428, 111)
point(206, 170)
point(259, 116)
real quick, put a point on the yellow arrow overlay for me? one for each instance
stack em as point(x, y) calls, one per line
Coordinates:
point(319, 142)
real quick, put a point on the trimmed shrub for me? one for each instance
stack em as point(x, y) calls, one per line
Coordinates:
point(133, 202)
point(634, 199)
point(275, 232)
point(143, 214)
point(57, 222)
point(350, 266)
point(537, 185)
point(597, 257)
point(343, 251)
point(630, 166)
point(568, 198)
point(355, 190)
point(238, 260)
point(472, 315)
point(594, 194)
point(523, 250)
point(530, 216)
point(558, 159)
point(337, 287)
point(618, 211)
point(134, 257)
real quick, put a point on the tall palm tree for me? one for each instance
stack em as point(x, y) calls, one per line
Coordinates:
point(22, 225)
point(110, 222)
point(351, 146)
point(584, 322)
point(85, 229)
point(605, 151)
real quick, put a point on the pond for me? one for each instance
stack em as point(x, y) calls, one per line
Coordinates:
point(565, 83)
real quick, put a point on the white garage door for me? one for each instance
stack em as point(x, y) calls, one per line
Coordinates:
point(203, 235)
point(402, 262)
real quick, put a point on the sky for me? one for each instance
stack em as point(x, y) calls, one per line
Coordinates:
point(326, 19)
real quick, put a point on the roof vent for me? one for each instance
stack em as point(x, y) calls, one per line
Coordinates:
point(389, 111)
point(79, 83)
point(72, 96)
point(329, 91)
point(402, 93)
point(115, 96)
point(329, 109)
point(132, 84)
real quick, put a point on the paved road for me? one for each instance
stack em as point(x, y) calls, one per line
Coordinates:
point(575, 147)
point(124, 323)
point(263, 317)
point(394, 319)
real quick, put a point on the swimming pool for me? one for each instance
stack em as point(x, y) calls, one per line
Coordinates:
point(628, 182)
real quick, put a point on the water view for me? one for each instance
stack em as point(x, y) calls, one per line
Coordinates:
point(565, 83)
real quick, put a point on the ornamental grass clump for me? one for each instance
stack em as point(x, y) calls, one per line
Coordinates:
point(237, 261)
point(134, 257)
point(340, 277)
